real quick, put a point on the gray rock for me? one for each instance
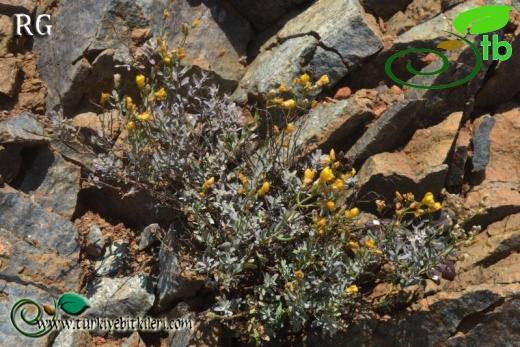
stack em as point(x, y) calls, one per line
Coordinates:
point(385, 9)
point(68, 337)
point(326, 62)
point(482, 143)
point(28, 262)
point(386, 131)
point(354, 39)
point(113, 259)
point(134, 341)
point(52, 181)
point(282, 65)
point(265, 13)
point(95, 241)
point(11, 159)
point(21, 129)
point(171, 284)
point(180, 337)
point(28, 220)
point(10, 71)
point(120, 297)
point(149, 236)
point(429, 33)
point(11, 293)
point(333, 125)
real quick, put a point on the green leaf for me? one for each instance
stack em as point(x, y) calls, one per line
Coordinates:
point(485, 19)
point(73, 304)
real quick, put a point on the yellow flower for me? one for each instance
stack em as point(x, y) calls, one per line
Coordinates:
point(298, 275)
point(289, 104)
point(140, 80)
point(185, 28)
point(242, 178)
point(323, 80)
point(419, 212)
point(264, 189)
point(144, 116)
point(180, 53)
point(436, 206)
point(337, 185)
point(332, 155)
point(285, 144)
point(195, 23)
point(240, 191)
point(295, 81)
point(209, 182)
point(428, 199)
point(308, 176)
point(314, 103)
point(353, 172)
point(130, 126)
point(105, 97)
point(304, 79)
point(128, 100)
point(331, 206)
point(370, 243)
point(352, 213)
point(380, 205)
point(166, 14)
point(353, 245)
point(282, 88)
point(202, 194)
point(326, 175)
point(351, 289)
point(167, 60)
point(321, 232)
point(322, 222)
point(290, 128)
point(378, 252)
point(160, 94)
point(409, 196)
point(398, 196)
point(277, 101)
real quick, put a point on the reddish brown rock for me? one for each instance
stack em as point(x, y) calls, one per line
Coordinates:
point(343, 93)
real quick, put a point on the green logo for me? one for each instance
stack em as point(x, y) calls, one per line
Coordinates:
point(70, 303)
point(482, 20)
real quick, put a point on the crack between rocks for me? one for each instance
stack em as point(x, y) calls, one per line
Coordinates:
point(472, 320)
point(12, 279)
point(310, 33)
point(333, 50)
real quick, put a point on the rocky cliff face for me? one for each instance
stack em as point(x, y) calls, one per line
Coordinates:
point(59, 234)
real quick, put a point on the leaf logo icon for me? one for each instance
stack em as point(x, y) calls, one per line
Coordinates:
point(451, 45)
point(482, 19)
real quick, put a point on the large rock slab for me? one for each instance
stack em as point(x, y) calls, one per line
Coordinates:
point(29, 220)
point(22, 129)
point(52, 182)
point(282, 65)
point(500, 181)
point(421, 166)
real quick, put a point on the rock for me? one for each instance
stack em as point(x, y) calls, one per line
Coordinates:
point(6, 34)
point(333, 125)
point(24, 260)
point(427, 34)
point(30, 221)
point(11, 293)
point(11, 159)
point(120, 297)
point(481, 142)
point(181, 337)
point(21, 129)
point(500, 180)
point(75, 153)
point(95, 241)
point(67, 338)
point(134, 341)
point(138, 209)
point(266, 13)
point(387, 131)
point(354, 41)
point(11, 72)
point(495, 91)
point(458, 161)
point(89, 48)
point(149, 236)
point(385, 9)
point(328, 62)
point(91, 125)
point(50, 176)
point(282, 64)
point(419, 11)
point(419, 168)
point(113, 260)
point(17, 6)
point(171, 284)
point(343, 93)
